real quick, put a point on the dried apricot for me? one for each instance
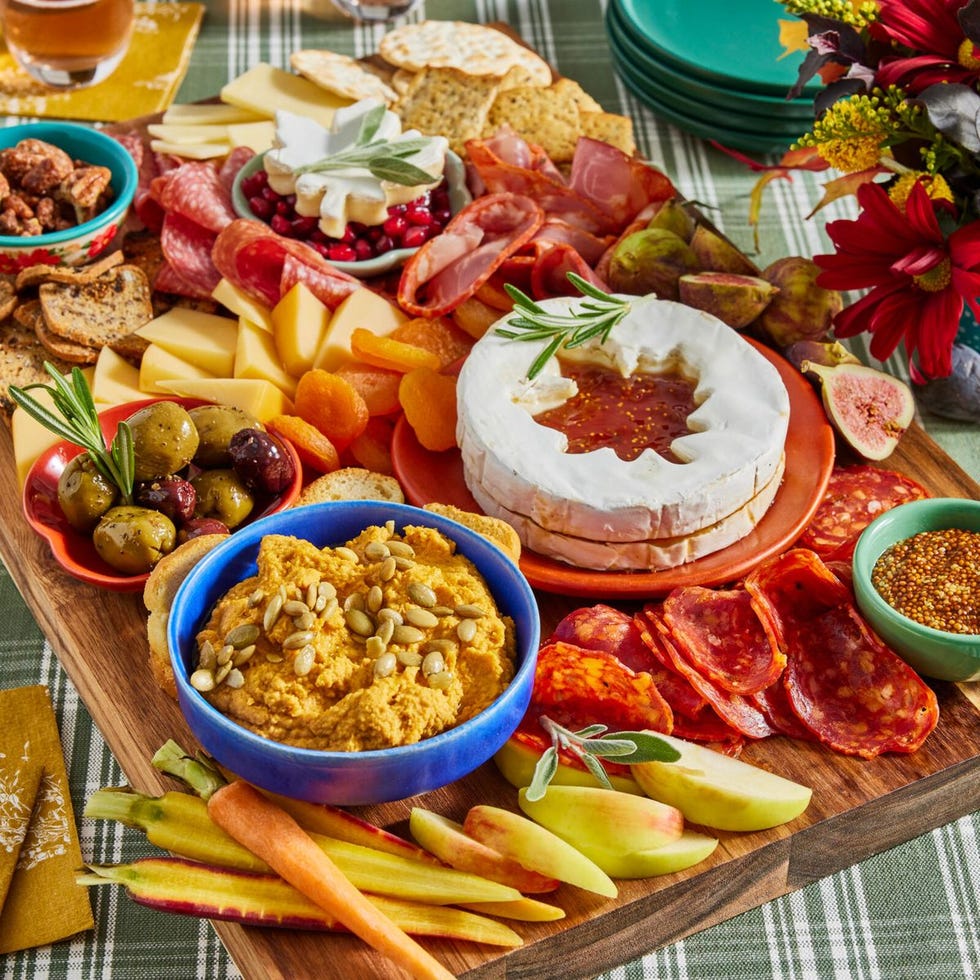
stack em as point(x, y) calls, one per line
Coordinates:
point(333, 405)
point(313, 447)
point(377, 386)
point(391, 354)
point(429, 401)
point(438, 334)
point(372, 448)
point(475, 317)
point(493, 294)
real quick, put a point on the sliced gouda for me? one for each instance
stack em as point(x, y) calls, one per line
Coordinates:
point(208, 114)
point(362, 308)
point(264, 89)
point(256, 136)
point(260, 398)
point(115, 381)
point(241, 304)
point(158, 364)
point(190, 151)
point(178, 133)
point(256, 357)
point(299, 325)
point(204, 339)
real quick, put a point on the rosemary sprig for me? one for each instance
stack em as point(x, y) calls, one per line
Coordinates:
point(77, 421)
point(533, 322)
point(584, 745)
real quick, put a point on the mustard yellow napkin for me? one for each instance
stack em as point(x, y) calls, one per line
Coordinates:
point(145, 82)
point(20, 777)
point(43, 903)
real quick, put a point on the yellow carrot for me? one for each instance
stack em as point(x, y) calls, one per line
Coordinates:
point(273, 835)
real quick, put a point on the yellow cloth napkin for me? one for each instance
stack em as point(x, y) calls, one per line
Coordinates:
point(145, 82)
point(20, 777)
point(43, 903)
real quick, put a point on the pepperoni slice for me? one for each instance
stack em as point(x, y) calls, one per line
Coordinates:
point(855, 496)
point(842, 682)
point(254, 258)
point(738, 712)
point(187, 247)
point(719, 633)
point(195, 191)
point(452, 266)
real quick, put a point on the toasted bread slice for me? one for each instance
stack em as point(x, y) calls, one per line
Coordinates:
point(352, 483)
point(34, 275)
point(492, 528)
point(22, 358)
point(30, 317)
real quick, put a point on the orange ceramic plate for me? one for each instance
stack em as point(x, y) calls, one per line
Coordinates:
point(74, 551)
point(427, 476)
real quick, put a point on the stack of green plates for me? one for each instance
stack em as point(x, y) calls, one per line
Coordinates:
point(714, 68)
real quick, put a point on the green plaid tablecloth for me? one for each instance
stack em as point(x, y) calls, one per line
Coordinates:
point(908, 913)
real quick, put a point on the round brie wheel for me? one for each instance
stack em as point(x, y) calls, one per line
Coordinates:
point(732, 451)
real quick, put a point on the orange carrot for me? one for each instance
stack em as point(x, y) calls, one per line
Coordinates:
point(273, 835)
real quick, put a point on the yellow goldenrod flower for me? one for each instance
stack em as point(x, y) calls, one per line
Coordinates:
point(857, 13)
point(934, 185)
point(852, 134)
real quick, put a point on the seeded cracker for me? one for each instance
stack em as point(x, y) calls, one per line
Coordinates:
point(472, 48)
point(548, 117)
point(30, 317)
point(22, 358)
point(34, 275)
point(610, 128)
point(570, 89)
point(342, 75)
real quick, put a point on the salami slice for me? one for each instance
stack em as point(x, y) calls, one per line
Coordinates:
point(450, 267)
point(549, 274)
point(187, 247)
point(841, 681)
point(195, 191)
point(253, 257)
point(231, 164)
point(774, 704)
point(718, 631)
point(855, 496)
point(169, 280)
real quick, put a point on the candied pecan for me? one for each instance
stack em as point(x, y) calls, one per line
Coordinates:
point(36, 165)
point(16, 204)
point(4, 185)
point(86, 189)
point(46, 213)
point(10, 224)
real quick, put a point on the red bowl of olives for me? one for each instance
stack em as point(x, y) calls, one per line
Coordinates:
point(200, 468)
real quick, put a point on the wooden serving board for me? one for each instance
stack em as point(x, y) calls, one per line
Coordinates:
point(859, 808)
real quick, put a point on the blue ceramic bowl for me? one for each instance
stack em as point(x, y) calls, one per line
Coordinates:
point(931, 652)
point(350, 778)
point(84, 242)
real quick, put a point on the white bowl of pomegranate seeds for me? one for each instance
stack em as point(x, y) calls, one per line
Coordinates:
point(363, 251)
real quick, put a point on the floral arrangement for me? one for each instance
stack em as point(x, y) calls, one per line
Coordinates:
point(899, 119)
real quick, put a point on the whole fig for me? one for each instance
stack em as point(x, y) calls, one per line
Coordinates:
point(957, 396)
point(673, 216)
point(717, 254)
point(735, 299)
point(828, 353)
point(802, 310)
point(651, 261)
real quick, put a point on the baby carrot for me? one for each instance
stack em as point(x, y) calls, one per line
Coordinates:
point(273, 835)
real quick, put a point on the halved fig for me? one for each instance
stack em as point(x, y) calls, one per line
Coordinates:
point(735, 299)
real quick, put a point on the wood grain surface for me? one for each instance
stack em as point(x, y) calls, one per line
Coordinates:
point(859, 808)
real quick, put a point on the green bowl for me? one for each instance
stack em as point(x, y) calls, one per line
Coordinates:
point(931, 652)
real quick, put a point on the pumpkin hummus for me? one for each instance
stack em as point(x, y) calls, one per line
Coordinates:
point(382, 642)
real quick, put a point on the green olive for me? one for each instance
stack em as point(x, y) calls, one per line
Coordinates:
point(215, 425)
point(221, 494)
point(133, 539)
point(84, 494)
point(164, 439)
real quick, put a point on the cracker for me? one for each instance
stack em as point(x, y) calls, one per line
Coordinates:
point(610, 128)
point(98, 313)
point(569, 88)
point(401, 80)
point(546, 116)
point(473, 48)
point(448, 102)
point(30, 317)
point(341, 75)
point(22, 358)
point(34, 275)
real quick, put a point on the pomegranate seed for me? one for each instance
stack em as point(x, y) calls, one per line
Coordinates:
point(341, 253)
point(253, 185)
point(303, 225)
point(416, 235)
point(383, 244)
point(441, 217)
point(395, 226)
point(419, 216)
point(281, 225)
point(270, 195)
point(350, 235)
point(363, 249)
point(396, 208)
point(261, 208)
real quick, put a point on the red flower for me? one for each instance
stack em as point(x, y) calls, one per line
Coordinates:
point(939, 48)
point(918, 279)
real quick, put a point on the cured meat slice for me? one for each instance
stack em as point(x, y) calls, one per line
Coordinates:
point(195, 191)
point(578, 687)
point(187, 246)
point(169, 280)
point(719, 633)
point(560, 232)
point(854, 497)
point(774, 704)
point(231, 164)
point(450, 267)
point(842, 682)
point(254, 258)
point(738, 712)
point(549, 274)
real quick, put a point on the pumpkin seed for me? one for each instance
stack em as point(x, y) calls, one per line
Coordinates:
point(235, 679)
point(390, 526)
point(327, 589)
point(417, 616)
point(242, 635)
point(442, 611)
point(224, 654)
point(409, 658)
point(222, 672)
point(354, 601)
point(469, 610)
point(433, 663)
point(202, 680)
point(304, 620)
point(207, 657)
point(375, 599)
point(407, 634)
point(401, 549)
point(272, 611)
point(359, 622)
point(348, 554)
point(466, 630)
point(421, 594)
point(403, 563)
point(394, 615)
point(243, 655)
point(274, 658)
point(385, 630)
point(443, 644)
point(385, 665)
point(375, 646)
point(311, 594)
point(303, 662)
point(298, 639)
point(388, 568)
point(294, 607)
point(330, 606)
point(255, 598)
point(441, 681)
point(376, 551)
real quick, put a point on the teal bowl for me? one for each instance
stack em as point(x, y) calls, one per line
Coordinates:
point(931, 652)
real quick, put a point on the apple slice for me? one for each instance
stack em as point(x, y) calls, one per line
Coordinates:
point(591, 817)
point(715, 790)
point(516, 761)
point(536, 848)
point(447, 841)
point(689, 849)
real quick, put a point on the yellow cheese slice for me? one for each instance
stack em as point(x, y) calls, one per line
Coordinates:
point(362, 308)
point(256, 357)
point(256, 136)
point(264, 89)
point(188, 133)
point(204, 339)
point(158, 364)
point(115, 381)
point(258, 397)
point(299, 324)
point(191, 151)
point(241, 304)
point(209, 114)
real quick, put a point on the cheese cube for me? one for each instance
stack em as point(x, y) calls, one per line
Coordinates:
point(241, 304)
point(263, 89)
point(256, 357)
point(299, 324)
point(114, 380)
point(204, 339)
point(158, 364)
point(362, 308)
point(255, 396)
point(207, 114)
point(256, 136)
